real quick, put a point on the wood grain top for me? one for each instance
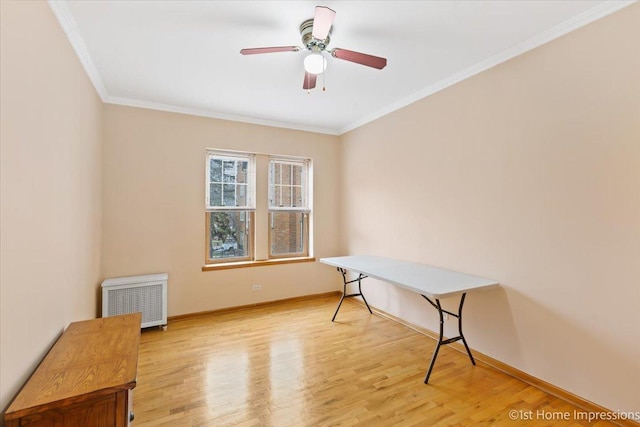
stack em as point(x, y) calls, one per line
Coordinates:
point(90, 358)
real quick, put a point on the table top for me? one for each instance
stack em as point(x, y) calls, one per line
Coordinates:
point(429, 281)
point(91, 356)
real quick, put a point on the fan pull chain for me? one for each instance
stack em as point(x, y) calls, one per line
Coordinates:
point(323, 87)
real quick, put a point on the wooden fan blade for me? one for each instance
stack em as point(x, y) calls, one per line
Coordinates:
point(255, 50)
point(309, 81)
point(322, 22)
point(360, 58)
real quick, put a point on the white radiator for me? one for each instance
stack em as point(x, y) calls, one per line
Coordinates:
point(137, 294)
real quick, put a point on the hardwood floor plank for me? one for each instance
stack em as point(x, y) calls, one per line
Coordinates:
point(289, 365)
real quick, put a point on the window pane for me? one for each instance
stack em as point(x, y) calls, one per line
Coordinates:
point(229, 194)
point(286, 175)
point(297, 175)
point(288, 233)
point(241, 172)
point(228, 235)
point(241, 195)
point(286, 196)
point(276, 172)
point(287, 184)
point(215, 195)
point(215, 170)
point(297, 197)
point(229, 170)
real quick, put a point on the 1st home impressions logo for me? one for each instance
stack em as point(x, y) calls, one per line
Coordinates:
point(575, 415)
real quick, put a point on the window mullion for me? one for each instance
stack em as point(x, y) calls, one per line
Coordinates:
point(280, 184)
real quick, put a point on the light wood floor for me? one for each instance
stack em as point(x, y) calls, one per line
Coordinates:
point(289, 365)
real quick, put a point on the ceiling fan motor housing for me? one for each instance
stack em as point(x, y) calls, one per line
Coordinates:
point(311, 43)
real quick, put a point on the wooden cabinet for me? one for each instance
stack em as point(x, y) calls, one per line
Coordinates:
point(86, 379)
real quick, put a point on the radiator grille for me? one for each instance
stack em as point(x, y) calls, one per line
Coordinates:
point(146, 299)
point(137, 294)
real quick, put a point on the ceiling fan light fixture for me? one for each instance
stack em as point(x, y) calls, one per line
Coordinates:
point(315, 63)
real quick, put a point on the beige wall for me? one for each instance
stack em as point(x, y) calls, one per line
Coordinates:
point(529, 174)
point(50, 189)
point(153, 218)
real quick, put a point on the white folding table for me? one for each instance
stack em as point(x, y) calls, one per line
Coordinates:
point(431, 283)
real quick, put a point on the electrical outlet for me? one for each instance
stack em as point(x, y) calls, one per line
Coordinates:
point(257, 287)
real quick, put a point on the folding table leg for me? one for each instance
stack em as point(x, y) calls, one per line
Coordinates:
point(344, 292)
point(441, 340)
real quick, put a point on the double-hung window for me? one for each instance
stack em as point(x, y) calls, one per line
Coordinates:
point(288, 208)
point(258, 209)
point(230, 206)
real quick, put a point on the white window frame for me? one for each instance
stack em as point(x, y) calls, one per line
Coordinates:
point(304, 184)
point(304, 208)
point(259, 210)
point(250, 184)
point(248, 208)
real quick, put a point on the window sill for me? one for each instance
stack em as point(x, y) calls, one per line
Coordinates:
point(260, 263)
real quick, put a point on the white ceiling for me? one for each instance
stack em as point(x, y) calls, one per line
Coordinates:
point(184, 55)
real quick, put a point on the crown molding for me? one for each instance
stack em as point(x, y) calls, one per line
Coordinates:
point(591, 15)
point(211, 114)
point(70, 28)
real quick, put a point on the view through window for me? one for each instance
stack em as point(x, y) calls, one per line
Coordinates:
point(231, 210)
point(288, 207)
point(230, 206)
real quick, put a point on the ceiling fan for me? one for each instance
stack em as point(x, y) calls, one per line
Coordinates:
point(315, 37)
